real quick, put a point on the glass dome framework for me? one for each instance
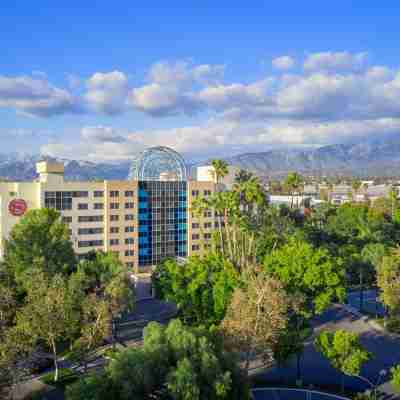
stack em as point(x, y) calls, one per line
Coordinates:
point(158, 164)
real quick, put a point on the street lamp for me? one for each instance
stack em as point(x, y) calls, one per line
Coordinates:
point(374, 387)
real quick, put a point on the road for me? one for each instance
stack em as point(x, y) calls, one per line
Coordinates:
point(371, 303)
point(316, 370)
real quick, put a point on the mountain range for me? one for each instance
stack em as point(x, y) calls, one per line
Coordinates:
point(369, 158)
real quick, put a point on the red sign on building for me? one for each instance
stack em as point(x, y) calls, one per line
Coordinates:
point(17, 207)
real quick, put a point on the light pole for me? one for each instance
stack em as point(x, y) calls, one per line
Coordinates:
point(374, 387)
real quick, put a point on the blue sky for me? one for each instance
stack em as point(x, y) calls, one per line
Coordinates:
point(100, 80)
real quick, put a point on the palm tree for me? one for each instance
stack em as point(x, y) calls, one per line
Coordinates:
point(355, 185)
point(393, 200)
point(250, 193)
point(243, 176)
point(220, 169)
point(293, 183)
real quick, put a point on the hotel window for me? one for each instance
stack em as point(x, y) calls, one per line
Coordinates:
point(207, 225)
point(129, 253)
point(114, 229)
point(129, 264)
point(195, 247)
point(195, 193)
point(129, 241)
point(207, 236)
point(129, 229)
point(129, 217)
point(90, 231)
point(90, 218)
point(58, 200)
point(80, 193)
point(114, 242)
point(129, 193)
point(114, 193)
point(83, 206)
point(114, 217)
point(90, 243)
point(207, 214)
point(98, 206)
point(114, 206)
point(67, 220)
point(98, 193)
point(195, 225)
point(129, 205)
point(207, 193)
point(195, 236)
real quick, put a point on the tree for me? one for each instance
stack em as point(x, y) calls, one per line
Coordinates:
point(343, 350)
point(46, 315)
point(16, 354)
point(312, 276)
point(275, 229)
point(8, 304)
point(251, 194)
point(175, 362)
point(395, 371)
point(105, 275)
point(243, 176)
point(39, 240)
point(293, 184)
point(95, 326)
point(307, 272)
point(201, 288)
point(221, 169)
point(356, 185)
point(256, 316)
point(389, 281)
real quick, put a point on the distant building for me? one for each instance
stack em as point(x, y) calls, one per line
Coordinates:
point(207, 174)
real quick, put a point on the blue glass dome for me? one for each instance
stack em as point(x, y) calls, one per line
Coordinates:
point(158, 164)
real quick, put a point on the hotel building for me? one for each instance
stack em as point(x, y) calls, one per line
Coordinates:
point(143, 219)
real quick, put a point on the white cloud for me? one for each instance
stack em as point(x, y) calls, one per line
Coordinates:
point(283, 62)
point(101, 134)
point(181, 72)
point(335, 61)
point(159, 100)
point(336, 98)
point(36, 97)
point(107, 92)
point(222, 137)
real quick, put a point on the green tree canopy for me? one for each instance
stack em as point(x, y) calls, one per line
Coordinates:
point(308, 272)
point(201, 288)
point(175, 362)
point(221, 169)
point(395, 371)
point(42, 240)
point(47, 315)
point(389, 281)
point(343, 350)
point(104, 274)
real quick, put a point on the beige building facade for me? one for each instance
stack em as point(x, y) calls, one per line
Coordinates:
point(141, 222)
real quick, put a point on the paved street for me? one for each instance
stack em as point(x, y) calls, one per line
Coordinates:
point(370, 303)
point(315, 369)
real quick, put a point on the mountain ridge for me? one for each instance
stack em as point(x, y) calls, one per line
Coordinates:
point(369, 158)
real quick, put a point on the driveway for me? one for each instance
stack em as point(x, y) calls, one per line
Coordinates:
point(385, 351)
